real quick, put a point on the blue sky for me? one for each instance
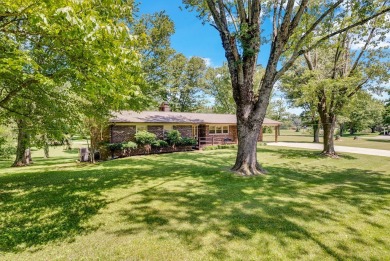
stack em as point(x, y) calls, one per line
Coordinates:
point(191, 37)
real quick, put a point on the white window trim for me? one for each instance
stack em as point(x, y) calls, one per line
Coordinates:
point(219, 125)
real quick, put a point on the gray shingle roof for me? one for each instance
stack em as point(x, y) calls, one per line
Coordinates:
point(178, 117)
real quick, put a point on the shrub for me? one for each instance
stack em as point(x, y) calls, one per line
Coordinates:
point(114, 146)
point(160, 144)
point(129, 145)
point(188, 142)
point(145, 138)
point(173, 137)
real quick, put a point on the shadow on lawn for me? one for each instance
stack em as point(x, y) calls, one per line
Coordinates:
point(200, 199)
point(302, 153)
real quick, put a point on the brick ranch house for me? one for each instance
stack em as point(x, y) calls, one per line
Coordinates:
point(207, 128)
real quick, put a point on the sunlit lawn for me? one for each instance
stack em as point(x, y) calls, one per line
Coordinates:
point(363, 141)
point(188, 206)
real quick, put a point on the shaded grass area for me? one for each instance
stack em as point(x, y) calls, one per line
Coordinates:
point(189, 206)
point(363, 141)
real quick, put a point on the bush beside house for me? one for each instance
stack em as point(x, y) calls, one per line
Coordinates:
point(147, 143)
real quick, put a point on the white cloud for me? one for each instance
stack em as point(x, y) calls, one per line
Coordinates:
point(207, 62)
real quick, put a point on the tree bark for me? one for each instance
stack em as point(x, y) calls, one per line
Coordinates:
point(328, 121)
point(316, 131)
point(341, 129)
point(23, 142)
point(246, 160)
point(46, 150)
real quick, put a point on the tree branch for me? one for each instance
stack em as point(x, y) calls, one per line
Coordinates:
point(356, 63)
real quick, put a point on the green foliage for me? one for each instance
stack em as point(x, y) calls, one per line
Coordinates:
point(185, 88)
point(160, 144)
point(145, 138)
point(364, 112)
point(187, 141)
point(121, 146)
point(114, 146)
point(219, 147)
point(6, 149)
point(75, 57)
point(129, 145)
point(219, 87)
point(173, 137)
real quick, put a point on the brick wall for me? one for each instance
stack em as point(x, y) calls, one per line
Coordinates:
point(158, 130)
point(122, 133)
point(185, 130)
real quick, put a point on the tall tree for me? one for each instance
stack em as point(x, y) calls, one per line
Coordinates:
point(185, 87)
point(297, 29)
point(66, 55)
point(219, 88)
point(156, 29)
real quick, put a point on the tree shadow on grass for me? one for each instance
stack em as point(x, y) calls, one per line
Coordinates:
point(195, 197)
point(232, 208)
point(300, 153)
point(37, 208)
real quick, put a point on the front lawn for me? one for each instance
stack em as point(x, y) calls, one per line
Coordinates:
point(188, 206)
point(369, 141)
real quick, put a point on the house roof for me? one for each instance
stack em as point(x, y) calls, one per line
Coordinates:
point(179, 117)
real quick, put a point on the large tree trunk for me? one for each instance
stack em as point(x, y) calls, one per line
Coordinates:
point(246, 160)
point(23, 143)
point(328, 122)
point(316, 131)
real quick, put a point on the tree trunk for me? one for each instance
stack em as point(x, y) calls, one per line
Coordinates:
point(316, 130)
point(23, 142)
point(329, 123)
point(372, 129)
point(341, 129)
point(246, 160)
point(45, 146)
point(46, 150)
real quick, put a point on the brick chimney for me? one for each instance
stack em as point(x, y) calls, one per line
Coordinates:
point(164, 107)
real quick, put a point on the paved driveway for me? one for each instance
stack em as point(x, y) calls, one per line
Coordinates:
point(315, 146)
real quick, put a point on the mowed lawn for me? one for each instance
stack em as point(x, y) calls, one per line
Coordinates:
point(369, 141)
point(188, 206)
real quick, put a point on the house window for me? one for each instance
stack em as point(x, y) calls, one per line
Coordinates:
point(218, 129)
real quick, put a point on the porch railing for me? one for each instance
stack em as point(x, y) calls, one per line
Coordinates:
point(204, 141)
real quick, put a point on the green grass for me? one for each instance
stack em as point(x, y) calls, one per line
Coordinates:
point(188, 206)
point(363, 141)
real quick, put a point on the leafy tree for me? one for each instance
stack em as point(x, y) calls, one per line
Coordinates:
point(339, 70)
point(185, 88)
point(156, 53)
point(76, 58)
point(297, 29)
point(219, 87)
point(364, 112)
point(386, 115)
